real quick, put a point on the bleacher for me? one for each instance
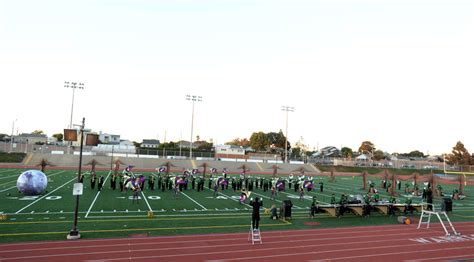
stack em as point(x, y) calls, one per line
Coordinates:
point(143, 163)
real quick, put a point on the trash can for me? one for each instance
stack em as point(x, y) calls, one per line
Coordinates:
point(447, 204)
point(287, 205)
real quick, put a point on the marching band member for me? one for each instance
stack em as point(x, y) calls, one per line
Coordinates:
point(333, 199)
point(255, 212)
point(367, 206)
point(301, 193)
point(244, 195)
point(391, 209)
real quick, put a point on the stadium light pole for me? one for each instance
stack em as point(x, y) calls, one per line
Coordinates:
point(192, 98)
point(73, 86)
point(11, 137)
point(287, 109)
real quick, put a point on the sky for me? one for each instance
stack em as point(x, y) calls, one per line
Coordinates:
point(397, 73)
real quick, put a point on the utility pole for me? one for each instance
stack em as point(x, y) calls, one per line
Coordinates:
point(192, 98)
point(287, 109)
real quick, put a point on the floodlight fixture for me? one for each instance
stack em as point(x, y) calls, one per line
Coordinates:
point(193, 98)
point(287, 109)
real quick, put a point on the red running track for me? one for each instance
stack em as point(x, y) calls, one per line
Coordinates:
point(372, 243)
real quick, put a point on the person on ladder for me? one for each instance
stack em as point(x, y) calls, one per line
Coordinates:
point(256, 212)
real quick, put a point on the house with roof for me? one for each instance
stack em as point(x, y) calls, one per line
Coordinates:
point(186, 144)
point(109, 139)
point(31, 139)
point(150, 143)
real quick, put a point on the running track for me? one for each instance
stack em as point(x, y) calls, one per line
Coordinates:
point(372, 243)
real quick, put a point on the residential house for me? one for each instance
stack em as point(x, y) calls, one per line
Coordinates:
point(150, 143)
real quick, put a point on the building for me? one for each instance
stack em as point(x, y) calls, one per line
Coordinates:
point(109, 139)
point(31, 139)
point(229, 151)
point(185, 144)
point(78, 142)
point(150, 143)
point(327, 152)
point(125, 146)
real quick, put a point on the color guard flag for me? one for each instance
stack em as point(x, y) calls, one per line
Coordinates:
point(222, 181)
point(308, 185)
point(280, 185)
point(128, 168)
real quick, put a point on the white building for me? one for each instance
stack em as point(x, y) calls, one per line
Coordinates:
point(150, 143)
point(109, 138)
point(229, 150)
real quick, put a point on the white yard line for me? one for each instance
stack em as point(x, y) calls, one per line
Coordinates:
point(1, 191)
point(295, 197)
point(10, 176)
point(97, 195)
point(229, 197)
point(146, 201)
point(45, 195)
point(194, 201)
point(9, 170)
point(275, 199)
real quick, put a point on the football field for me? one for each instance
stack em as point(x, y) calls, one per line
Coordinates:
point(111, 213)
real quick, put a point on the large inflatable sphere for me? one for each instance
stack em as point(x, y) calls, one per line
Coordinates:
point(32, 182)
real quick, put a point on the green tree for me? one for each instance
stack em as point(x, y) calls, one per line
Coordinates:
point(378, 155)
point(459, 155)
point(206, 146)
point(169, 145)
point(259, 141)
point(296, 152)
point(59, 137)
point(347, 152)
point(244, 142)
point(416, 153)
point(276, 139)
point(38, 132)
point(366, 147)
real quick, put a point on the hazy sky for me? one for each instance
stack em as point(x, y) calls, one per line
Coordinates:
point(397, 73)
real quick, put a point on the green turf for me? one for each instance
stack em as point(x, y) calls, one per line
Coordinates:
point(113, 214)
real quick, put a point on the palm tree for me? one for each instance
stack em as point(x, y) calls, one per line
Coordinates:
point(43, 163)
point(168, 166)
point(462, 181)
point(394, 187)
point(416, 178)
point(204, 169)
point(333, 177)
point(364, 180)
point(275, 170)
point(117, 166)
point(301, 170)
point(244, 168)
point(93, 163)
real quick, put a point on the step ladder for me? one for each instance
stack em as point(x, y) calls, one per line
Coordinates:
point(254, 235)
point(446, 223)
